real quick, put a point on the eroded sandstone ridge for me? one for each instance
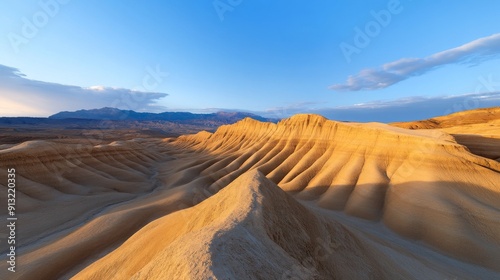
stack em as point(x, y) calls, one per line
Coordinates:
point(307, 197)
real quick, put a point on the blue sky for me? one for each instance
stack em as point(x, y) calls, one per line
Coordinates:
point(350, 59)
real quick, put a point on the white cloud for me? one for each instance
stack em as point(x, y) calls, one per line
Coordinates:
point(20, 96)
point(404, 109)
point(393, 72)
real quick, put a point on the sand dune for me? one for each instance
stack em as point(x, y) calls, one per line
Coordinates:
point(389, 203)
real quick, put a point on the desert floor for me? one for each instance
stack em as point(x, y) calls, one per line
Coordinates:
point(307, 198)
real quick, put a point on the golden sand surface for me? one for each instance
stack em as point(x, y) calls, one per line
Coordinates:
point(307, 197)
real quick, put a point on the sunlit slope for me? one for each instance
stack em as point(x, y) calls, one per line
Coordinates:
point(481, 139)
point(421, 184)
point(405, 203)
point(462, 118)
point(66, 195)
point(249, 230)
point(478, 130)
point(69, 179)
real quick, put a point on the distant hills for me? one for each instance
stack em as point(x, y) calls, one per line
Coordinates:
point(112, 124)
point(113, 114)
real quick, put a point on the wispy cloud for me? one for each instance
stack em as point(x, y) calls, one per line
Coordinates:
point(20, 96)
point(393, 72)
point(404, 109)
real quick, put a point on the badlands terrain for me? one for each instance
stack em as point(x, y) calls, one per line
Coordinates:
point(306, 198)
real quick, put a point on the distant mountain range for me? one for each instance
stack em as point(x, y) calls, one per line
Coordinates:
point(113, 114)
point(112, 124)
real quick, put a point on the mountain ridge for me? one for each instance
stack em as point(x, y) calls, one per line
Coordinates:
point(114, 124)
point(109, 113)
